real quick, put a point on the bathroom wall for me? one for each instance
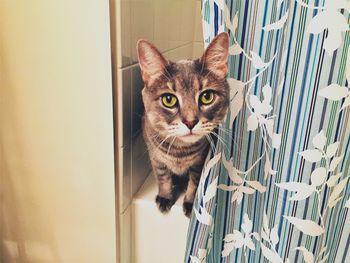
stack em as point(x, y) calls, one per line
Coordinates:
point(57, 199)
point(174, 26)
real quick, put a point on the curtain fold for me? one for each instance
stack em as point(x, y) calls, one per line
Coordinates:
point(276, 188)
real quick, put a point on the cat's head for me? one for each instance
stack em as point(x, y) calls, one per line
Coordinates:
point(188, 98)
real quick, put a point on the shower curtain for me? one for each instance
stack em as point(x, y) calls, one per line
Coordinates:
point(276, 188)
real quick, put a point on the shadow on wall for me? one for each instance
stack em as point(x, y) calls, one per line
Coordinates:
point(24, 233)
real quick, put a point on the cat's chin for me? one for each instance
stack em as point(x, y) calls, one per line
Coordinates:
point(190, 138)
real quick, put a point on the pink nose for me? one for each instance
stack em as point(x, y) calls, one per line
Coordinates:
point(190, 124)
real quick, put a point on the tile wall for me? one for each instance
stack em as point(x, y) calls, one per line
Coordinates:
point(174, 26)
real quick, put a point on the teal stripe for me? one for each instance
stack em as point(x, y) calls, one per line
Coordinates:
point(246, 148)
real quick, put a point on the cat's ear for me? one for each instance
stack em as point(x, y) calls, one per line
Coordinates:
point(152, 62)
point(216, 55)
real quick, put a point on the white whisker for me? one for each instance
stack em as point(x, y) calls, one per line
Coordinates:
point(210, 140)
point(171, 143)
point(221, 140)
point(230, 135)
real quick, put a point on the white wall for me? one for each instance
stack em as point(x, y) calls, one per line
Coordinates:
point(56, 132)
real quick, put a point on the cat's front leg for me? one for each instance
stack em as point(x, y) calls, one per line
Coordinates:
point(193, 181)
point(164, 199)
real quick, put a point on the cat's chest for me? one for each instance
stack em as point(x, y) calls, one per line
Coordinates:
point(178, 164)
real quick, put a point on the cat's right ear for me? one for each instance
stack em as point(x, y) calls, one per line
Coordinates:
point(152, 62)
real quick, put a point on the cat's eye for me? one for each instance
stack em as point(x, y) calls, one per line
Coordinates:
point(206, 97)
point(169, 100)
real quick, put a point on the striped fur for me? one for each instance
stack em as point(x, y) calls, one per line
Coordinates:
point(178, 137)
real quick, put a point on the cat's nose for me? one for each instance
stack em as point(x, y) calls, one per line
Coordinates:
point(191, 124)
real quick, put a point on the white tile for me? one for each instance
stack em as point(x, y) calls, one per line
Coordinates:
point(184, 52)
point(140, 160)
point(123, 38)
point(136, 100)
point(141, 166)
point(168, 24)
point(142, 23)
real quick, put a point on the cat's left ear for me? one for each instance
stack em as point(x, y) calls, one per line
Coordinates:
point(152, 62)
point(216, 55)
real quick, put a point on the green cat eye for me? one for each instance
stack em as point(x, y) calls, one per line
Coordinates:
point(169, 100)
point(206, 97)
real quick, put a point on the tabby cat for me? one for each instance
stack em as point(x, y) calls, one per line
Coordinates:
point(184, 102)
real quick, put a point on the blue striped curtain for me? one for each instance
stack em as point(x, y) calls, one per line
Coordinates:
point(276, 187)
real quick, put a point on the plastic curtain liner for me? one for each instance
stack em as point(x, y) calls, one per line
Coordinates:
point(276, 188)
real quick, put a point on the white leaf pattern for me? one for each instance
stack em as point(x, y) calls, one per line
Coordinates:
point(332, 20)
point(266, 223)
point(203, 217)
point(232, 26)
point(260, 108)
point(303, 190)
point(257, 185)
point(334, 92)
point(237, 196)
point(318, 176)
point(335, 162)
point(278, 24)
point(257, 61)
point(274, 235)
point(306, 226)
point(202, 253)
point(247, 225)
point(253, 122)
point(337, 191)
point(328, 17)
point(332, 149)
point(237, 100)
point(227, 187)
point(210, 191)
point(333, 203)
point(247, 190)
point(308, 256)
point(232, 171)
point(235, 49)
point(333, 180)
point(229, 238)
point(210, 164)
point(228, 247)
point(195, 259)
point(311, 155)
point(324, 259)
point(319, 141)
point(270, 255)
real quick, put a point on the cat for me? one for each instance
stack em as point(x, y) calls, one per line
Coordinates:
point(184, 103)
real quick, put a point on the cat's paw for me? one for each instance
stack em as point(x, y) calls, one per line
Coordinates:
point(187, 208)
point(164, 204)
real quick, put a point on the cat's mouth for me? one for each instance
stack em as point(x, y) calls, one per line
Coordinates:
point(191, 137)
